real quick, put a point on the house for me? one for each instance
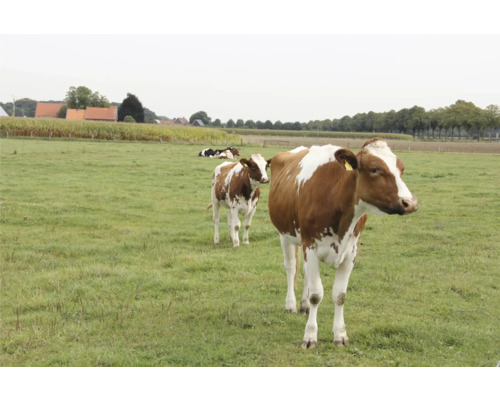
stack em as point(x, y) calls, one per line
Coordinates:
point(75, 115)
point(2, 112)
point(198, 122)
point(93, 114)
point(47, 110)
point(181, 121)
point(165, 122)
point(101, 114)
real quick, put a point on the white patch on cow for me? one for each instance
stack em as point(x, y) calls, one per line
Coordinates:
point(297, 149)
point(315, 157)
point(366, 208)
point(381, 149)
point(333, 251)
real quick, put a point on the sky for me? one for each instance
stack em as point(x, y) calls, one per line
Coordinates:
point(296, 76)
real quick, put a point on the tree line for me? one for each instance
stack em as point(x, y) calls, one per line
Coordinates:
point(460, 120)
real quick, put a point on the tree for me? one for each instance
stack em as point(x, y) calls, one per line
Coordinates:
point(128, 118)
point(268, 125)
point(62, 112)
point(200, 115)
point(230, 123)
point(240, 123)
point(250, 124)
point(278, 125)
point(217, 123)
point(131, 106)
point(82, 97)
point(492, 117)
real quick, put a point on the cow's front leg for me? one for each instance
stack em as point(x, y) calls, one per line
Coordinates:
point(233, 221)
point(248, 222)
point(290, 263)
point(339, 295)
point(315, 289)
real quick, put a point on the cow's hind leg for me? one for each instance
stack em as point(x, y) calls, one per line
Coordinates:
point(248, 222)
point(290, 263)
point(339, 294)
point(315, 288)
point(216, 217)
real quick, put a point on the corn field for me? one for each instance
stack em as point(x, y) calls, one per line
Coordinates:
point(55, 128)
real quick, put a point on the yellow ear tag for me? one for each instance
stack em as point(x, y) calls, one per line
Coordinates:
point(348, 166)
point(245, 164)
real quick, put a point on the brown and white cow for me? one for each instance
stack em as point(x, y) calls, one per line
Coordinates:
point(237, 186)
point(318, 200)
point(226, 154)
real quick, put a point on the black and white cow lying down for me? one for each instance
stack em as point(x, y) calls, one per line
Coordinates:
point(229, 152)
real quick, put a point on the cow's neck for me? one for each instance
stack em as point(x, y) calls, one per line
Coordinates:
point(249, 185)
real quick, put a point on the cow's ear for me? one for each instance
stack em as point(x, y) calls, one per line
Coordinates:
point(269, 162)
point(244, 162)
point(347, 159)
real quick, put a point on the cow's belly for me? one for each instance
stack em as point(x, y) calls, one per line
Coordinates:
point(328, 249)
point(240, 203)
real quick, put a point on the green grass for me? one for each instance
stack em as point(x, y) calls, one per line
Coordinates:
point(107, 259)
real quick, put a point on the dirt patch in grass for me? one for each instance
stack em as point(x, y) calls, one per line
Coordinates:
point(397, 145)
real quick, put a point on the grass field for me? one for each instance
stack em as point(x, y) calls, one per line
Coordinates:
point(107, 259)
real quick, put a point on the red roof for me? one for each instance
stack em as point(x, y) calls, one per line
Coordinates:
point(48, 109)
point(75, 114)
point(182, 121)
point(100, 113)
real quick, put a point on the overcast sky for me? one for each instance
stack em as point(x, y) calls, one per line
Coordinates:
point(291, 77)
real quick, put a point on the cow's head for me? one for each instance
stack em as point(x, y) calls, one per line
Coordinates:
point(380, 178)
point(257, 168)
point(235, 151)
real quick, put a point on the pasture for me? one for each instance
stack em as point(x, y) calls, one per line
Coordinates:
point(107, 259)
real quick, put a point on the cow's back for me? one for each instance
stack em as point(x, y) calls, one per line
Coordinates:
point(283, 202)
point(310, 193)
point(220, 180)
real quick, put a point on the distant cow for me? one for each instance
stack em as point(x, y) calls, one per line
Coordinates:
point(237, 186)
point(216, 153)
point(226, 154)
point(318, 200)
point(206, 153)
point(233, 150)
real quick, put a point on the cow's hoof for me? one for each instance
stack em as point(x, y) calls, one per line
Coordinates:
point(246, 243)
point(308, 344)
point(304, 310)
point(291, 311)
point(341, 343)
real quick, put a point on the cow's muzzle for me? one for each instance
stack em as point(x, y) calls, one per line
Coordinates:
point(264, 180)
point(409, 205)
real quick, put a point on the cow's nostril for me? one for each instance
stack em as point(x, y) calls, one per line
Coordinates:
point(405, 204)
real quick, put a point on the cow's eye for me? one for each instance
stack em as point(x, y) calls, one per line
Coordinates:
point(375, 170)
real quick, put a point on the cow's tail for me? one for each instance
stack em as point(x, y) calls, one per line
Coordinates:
point(209, 207)
point(297, 263)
